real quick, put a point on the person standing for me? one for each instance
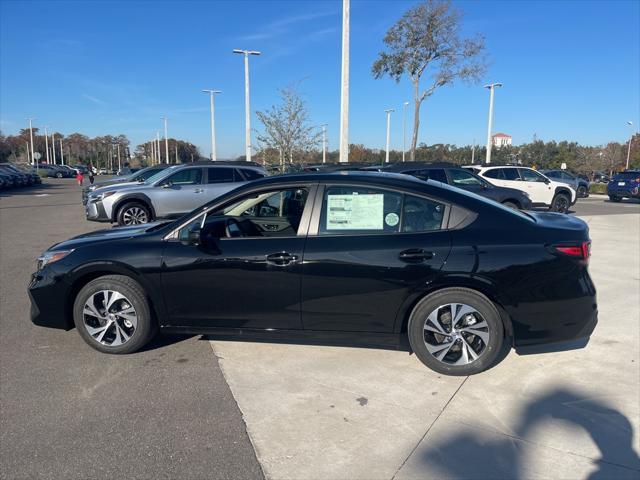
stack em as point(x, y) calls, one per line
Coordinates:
point(80, 177)
point(90, 168)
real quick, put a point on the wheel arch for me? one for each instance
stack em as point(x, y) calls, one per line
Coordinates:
point(481, 285)
point(89, 272)
point(512, 200)
point(563, 190)
point(132, 198)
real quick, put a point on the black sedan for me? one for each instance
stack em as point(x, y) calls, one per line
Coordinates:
point(362, 257)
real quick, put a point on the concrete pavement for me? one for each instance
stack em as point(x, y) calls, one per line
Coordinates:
point(332, 412)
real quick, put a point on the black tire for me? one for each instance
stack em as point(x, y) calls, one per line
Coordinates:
point(511, 205)
point(615, 198)
point(582, 191)
point(561, 203)
point(419, 336)
point(133, 213)
point(145, 328)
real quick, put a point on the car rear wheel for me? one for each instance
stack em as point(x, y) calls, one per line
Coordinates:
point(582, 191)
point(112, 315)
point(560, 203)
point(133, 213)
point(615, 198)
point(456, 331)
point(511, 205)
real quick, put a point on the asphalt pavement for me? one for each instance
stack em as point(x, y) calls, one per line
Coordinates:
point(67, 411)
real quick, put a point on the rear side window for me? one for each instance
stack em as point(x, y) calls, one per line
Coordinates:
point(222, 175)
point(359, 210)
point(436, 174)
point(511, 174)
point(495, 173)
point(251, 174)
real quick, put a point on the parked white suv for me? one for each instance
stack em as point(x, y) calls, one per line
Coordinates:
point(543, 191)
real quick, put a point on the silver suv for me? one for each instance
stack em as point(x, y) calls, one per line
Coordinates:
point(169, 193)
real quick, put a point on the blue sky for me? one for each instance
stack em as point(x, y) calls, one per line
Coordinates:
point(571, 69)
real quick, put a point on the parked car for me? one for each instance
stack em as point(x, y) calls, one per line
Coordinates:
point(137, 177)
point(364, 256)
point(18, 179)
point(601, 177)
point(26, 177)
point(28, 170)
point(624, 185)
point(543, 191)
point(81, 169)
point(580, 185)
point(461, 178)
point(169, 193)
point(56, 171)
point(6, 180)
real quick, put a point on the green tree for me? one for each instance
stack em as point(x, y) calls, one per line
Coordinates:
point(426, 41)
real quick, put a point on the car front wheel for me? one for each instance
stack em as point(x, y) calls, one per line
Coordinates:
point(112, 315)
point(456, 331)
point(583, 192)
point(133, 213)
point(560, 203)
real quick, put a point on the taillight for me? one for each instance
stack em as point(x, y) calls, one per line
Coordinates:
point(582, 251)
point(637, 180)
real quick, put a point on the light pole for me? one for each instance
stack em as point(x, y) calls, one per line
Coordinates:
point(31, 137)
point(158, 151)
point(46, 143)
point(473, 152)
point(324, 142)
point(344, 89)
point(61, 153)
point(491, 88)
point(404, 128)
point(53, 147)
point(213, 123)
point(166, 140)
point(630, 123)
point(119, 163)
point(247, 109)
point(388, 112)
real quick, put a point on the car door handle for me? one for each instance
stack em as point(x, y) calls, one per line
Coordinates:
point(281, 259)
point(415, 255)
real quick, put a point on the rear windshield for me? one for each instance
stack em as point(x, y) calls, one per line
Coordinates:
point(627, 175)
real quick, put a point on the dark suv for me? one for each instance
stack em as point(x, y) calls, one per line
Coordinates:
point(464, 179)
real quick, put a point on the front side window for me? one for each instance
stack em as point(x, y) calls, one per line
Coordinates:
point(143, 176)
point(436, 174)
point(189, 176)
point(531, 175)
point(462, 178)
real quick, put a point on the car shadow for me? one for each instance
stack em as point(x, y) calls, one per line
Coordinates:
point(504, 456)
point(48, 188)
point(165, 340)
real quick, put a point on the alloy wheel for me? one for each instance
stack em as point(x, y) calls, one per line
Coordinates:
point(134, 216)
point(109, 318)
point(456, 334)
point(561, 204)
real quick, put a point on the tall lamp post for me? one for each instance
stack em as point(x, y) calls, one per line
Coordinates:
point(630, 123)
point(33, 161)
point(404, 128)
point(46, 143)
point(324, 142)
point(247, 109)
point(53, 147)
point(166, 140)
point(158, 150)
point(491, 88)
point(344, 89)
point(388, 112)
point(213, 123)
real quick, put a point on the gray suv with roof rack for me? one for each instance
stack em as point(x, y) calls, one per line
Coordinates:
point(169, 193)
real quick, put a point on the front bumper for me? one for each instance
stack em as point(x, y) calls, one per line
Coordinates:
point(48, 294)
point(95, 212)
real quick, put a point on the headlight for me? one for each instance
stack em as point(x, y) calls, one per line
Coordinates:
point(100, 196)
point(51, 257)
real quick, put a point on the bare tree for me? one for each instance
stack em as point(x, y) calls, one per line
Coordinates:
point(426, 39)
point(286, 126)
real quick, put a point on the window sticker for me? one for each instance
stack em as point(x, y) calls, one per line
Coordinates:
point(355, 212)
point(391, 219)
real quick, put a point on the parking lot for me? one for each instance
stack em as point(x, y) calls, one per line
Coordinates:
point(192, 408)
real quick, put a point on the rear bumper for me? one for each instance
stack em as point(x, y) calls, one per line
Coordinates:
point(626, 191)
point(580, 341)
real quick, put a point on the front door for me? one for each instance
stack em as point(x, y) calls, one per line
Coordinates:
point(372, 250)
point(179, 193)
point(245, 271)
point(538, 187)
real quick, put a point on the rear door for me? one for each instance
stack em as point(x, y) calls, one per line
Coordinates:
point(367, 251)
point(221, 180)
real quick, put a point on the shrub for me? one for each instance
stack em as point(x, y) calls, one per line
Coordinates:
point(598, 188)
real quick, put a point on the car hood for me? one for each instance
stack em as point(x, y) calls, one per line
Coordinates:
point(112, 181)
point(98, 236)
point(120, 186)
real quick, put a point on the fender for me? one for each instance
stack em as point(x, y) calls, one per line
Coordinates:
point(141, 197)
point(86, 272)
point(480, 283)
point(564, 190)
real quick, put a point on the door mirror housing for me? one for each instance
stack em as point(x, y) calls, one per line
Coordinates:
point(167, 184)
point(191, 237)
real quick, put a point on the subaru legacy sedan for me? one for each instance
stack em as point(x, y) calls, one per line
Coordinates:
point(369, 258)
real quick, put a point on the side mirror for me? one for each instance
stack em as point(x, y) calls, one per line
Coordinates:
point(547, 181)
point(167, 185)
point(192, 237)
